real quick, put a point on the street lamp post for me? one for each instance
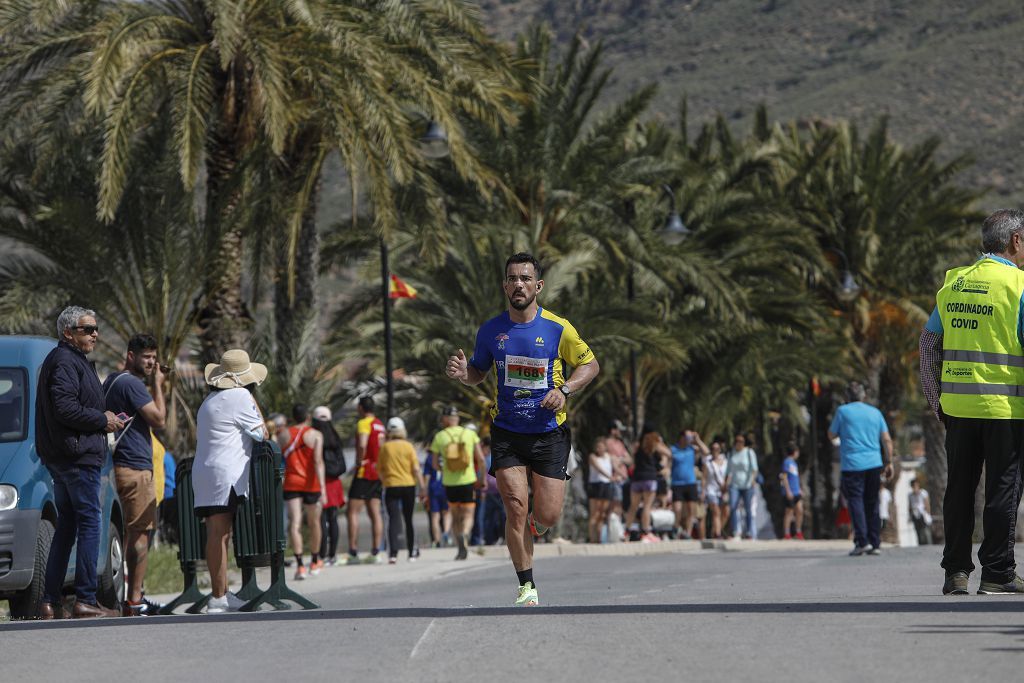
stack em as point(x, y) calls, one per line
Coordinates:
point(673, 232)
point(385, 282)
point(633, 397)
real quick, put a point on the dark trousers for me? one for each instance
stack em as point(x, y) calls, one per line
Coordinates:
point(923, 530)
point(476, 536)
point(494, 518)
point(400, 502)
point(996, 444)
point(76, 491)
point(861, 492)
point(329, 532)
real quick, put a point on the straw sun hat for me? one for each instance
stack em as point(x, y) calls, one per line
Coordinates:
point(235, 370)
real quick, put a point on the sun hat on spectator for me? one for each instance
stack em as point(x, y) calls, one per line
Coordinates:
point(234, 370)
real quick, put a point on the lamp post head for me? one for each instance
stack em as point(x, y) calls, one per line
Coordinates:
point(434, 143)
point(675, 231)
point(848, 289)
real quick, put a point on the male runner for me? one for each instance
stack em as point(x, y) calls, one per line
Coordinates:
point(461, 478)
point(365, 489)
point(530, 438)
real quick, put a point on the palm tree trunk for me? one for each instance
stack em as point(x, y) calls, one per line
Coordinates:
point(935, 469)
point(292, 316)
point(224, 322)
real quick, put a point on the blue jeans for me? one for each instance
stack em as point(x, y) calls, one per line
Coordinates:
point(747, 495)
point(76, 491)
point(861, 492)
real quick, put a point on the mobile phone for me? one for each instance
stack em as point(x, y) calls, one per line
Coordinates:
point(123, 417)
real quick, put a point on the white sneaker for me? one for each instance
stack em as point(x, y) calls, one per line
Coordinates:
point(235, 603)
point(217, 605)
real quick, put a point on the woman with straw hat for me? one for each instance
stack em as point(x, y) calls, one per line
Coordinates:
point(227, 425)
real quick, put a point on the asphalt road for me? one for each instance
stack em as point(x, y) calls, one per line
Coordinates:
point(794, 615)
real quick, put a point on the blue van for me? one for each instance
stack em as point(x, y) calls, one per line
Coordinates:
point(28, 515)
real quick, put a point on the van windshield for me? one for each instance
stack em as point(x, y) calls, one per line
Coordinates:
point(13, 405)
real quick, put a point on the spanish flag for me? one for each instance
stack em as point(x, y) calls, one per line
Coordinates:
point(400, 290)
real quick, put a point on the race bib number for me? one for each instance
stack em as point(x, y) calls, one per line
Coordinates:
point(526, 373)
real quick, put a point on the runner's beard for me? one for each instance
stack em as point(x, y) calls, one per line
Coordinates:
point(521, 306)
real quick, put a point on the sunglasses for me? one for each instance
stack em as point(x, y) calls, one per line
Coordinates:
point(87, 329)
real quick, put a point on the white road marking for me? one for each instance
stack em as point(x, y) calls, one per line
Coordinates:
point(423, 638)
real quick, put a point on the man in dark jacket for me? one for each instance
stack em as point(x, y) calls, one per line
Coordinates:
point(71, 427)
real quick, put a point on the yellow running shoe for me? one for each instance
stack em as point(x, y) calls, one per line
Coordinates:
point(527, 596)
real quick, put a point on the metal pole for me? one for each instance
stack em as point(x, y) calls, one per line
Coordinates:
point(634, 401)
point(385, 278)
point(812, 405)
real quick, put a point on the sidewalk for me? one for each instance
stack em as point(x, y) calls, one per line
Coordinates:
point(436, 563)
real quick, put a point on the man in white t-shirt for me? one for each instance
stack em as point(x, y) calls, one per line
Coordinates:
point(884, 503)
point(920, 513)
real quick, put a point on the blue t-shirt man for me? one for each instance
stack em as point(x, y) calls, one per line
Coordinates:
point(126, 393)
point(792, 472)
point(859, 427)
point(683, 473)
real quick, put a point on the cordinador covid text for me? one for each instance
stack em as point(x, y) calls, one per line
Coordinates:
point(974, 309)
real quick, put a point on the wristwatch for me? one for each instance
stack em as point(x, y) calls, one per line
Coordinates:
point(564, 388)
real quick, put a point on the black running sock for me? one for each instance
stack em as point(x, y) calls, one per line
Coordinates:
point(298, 560)
point(353, 553)
point(526, 575)
point(313, 557)
point(376, 551)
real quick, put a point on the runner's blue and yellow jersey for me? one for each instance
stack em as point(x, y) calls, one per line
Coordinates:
point(530, 361)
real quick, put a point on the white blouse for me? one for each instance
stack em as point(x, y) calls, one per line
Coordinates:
point(224, 446)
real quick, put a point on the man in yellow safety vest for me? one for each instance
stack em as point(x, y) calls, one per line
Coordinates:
point(972, 373)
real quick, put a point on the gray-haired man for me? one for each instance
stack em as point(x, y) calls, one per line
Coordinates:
point(71, 427)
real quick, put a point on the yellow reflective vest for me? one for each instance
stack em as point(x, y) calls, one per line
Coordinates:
point(982, 355)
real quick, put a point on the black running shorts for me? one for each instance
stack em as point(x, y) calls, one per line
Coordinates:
point(547, 454)
point(460, 495)
point(364, 489)
point(308, 497)
point(685, 492)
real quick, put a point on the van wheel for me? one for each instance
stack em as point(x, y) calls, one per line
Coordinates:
point(25, 605)
point(111, 591)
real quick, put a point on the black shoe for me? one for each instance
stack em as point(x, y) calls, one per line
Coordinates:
point(956, 583)
point(859, 550)
point(1011, 587)
point(144, 608)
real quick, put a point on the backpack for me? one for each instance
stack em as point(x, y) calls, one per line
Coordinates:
point(456, 453)
point(334, 463)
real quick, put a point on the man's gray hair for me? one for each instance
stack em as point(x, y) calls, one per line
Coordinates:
point(69, 318)
point(999, 227)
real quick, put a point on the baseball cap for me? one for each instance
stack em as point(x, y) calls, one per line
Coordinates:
point(396, 424)
point(322, 413)
point(450, 411)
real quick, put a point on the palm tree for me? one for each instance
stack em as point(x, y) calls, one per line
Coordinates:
point(894, 217)
point(137, 271)
point(236, 76)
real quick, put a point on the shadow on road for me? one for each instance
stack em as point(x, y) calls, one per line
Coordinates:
point(795, 608)
point(974, 630)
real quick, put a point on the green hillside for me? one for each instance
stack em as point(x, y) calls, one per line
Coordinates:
point(945, 67)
